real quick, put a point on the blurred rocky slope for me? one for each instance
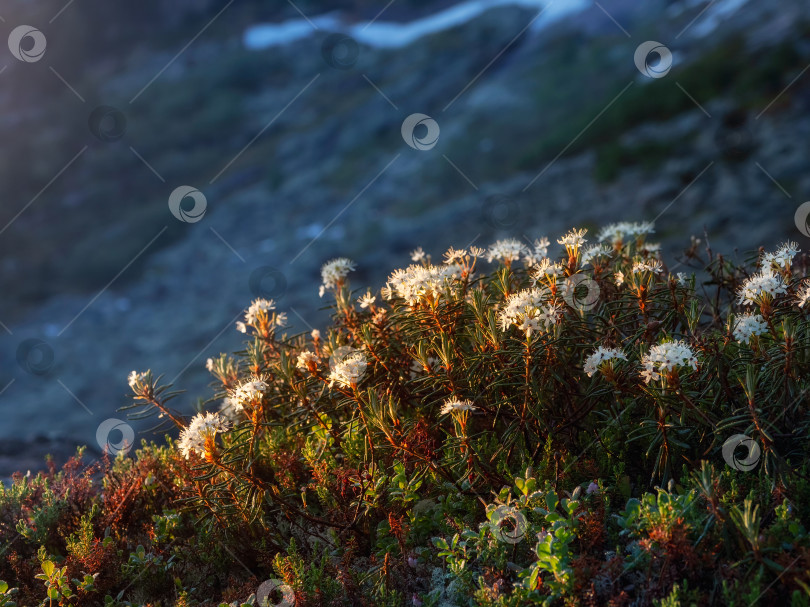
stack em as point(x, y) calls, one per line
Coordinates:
point(542, 129)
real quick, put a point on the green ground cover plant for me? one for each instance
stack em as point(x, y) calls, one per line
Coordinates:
point(528, 424)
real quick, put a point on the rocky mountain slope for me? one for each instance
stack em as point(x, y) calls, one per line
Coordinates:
point(299, 153)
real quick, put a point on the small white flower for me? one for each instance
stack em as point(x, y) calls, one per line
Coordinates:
point(601, 355)
point(454, 404)
point(529, 312)
point(334, 271)
point(749, 325)
point(546, 271)
point(618, 277)
point(781, 258)
point(653, 266)
point(202, 427)
point(803, 296)
point(420, 283)
point(241, 327)
point(250, 393)
point(592, 252)
point(764, 284)
point(231, 410)
point(573, 240)
point(366, 300)
point(506, 251)
point(305, 359)
point(619, 233)
point(316, 335)
point(454, 255)
point(209, 365)
point(683, 279)
point(417, 255)
point(135, 379)
point(259, 307)
point(666, 357)
point(650, 247)
point(348, 371)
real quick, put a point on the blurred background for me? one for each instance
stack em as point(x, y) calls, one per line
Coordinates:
point(287, 118)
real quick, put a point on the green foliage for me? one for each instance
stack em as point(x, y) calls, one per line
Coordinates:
point(465, 437)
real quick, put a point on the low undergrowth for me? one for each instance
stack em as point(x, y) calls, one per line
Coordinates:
point(500, 428)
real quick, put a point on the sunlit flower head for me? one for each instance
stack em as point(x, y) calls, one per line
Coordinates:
point(573, 240)
point(333, 272)
point(667, 357)
point(600, 356)
point(454, 404)
point(763, 285)
point(366, 300)
point(348, 371)
point(248, 394)
point(619, 234)
point(506, 251)
point(202, 428)
point(418, 283)
point(307, 360)
point(781, 258)
point(529, 311)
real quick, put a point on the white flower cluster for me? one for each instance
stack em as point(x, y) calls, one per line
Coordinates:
point(665, 357)
point(348, 371)
point(573, 240)
point(546, 271)
point(306, 359)
point(249, 393)
point(601, 355)
point(231, 410)
point(418, 283)
point(781, 258)
point(528, 311)
point(538, 252)
point(366, 300)
point(803, 296)
point(203, 426)
point(749, 325)
point(589, 254)
point(506, 251)
point(766, 283)
point(261, 310)
point(652, 265)
point(618, 233)
point(136, 379)
point(460, 256)
point(454, 404)
point(333, 272)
